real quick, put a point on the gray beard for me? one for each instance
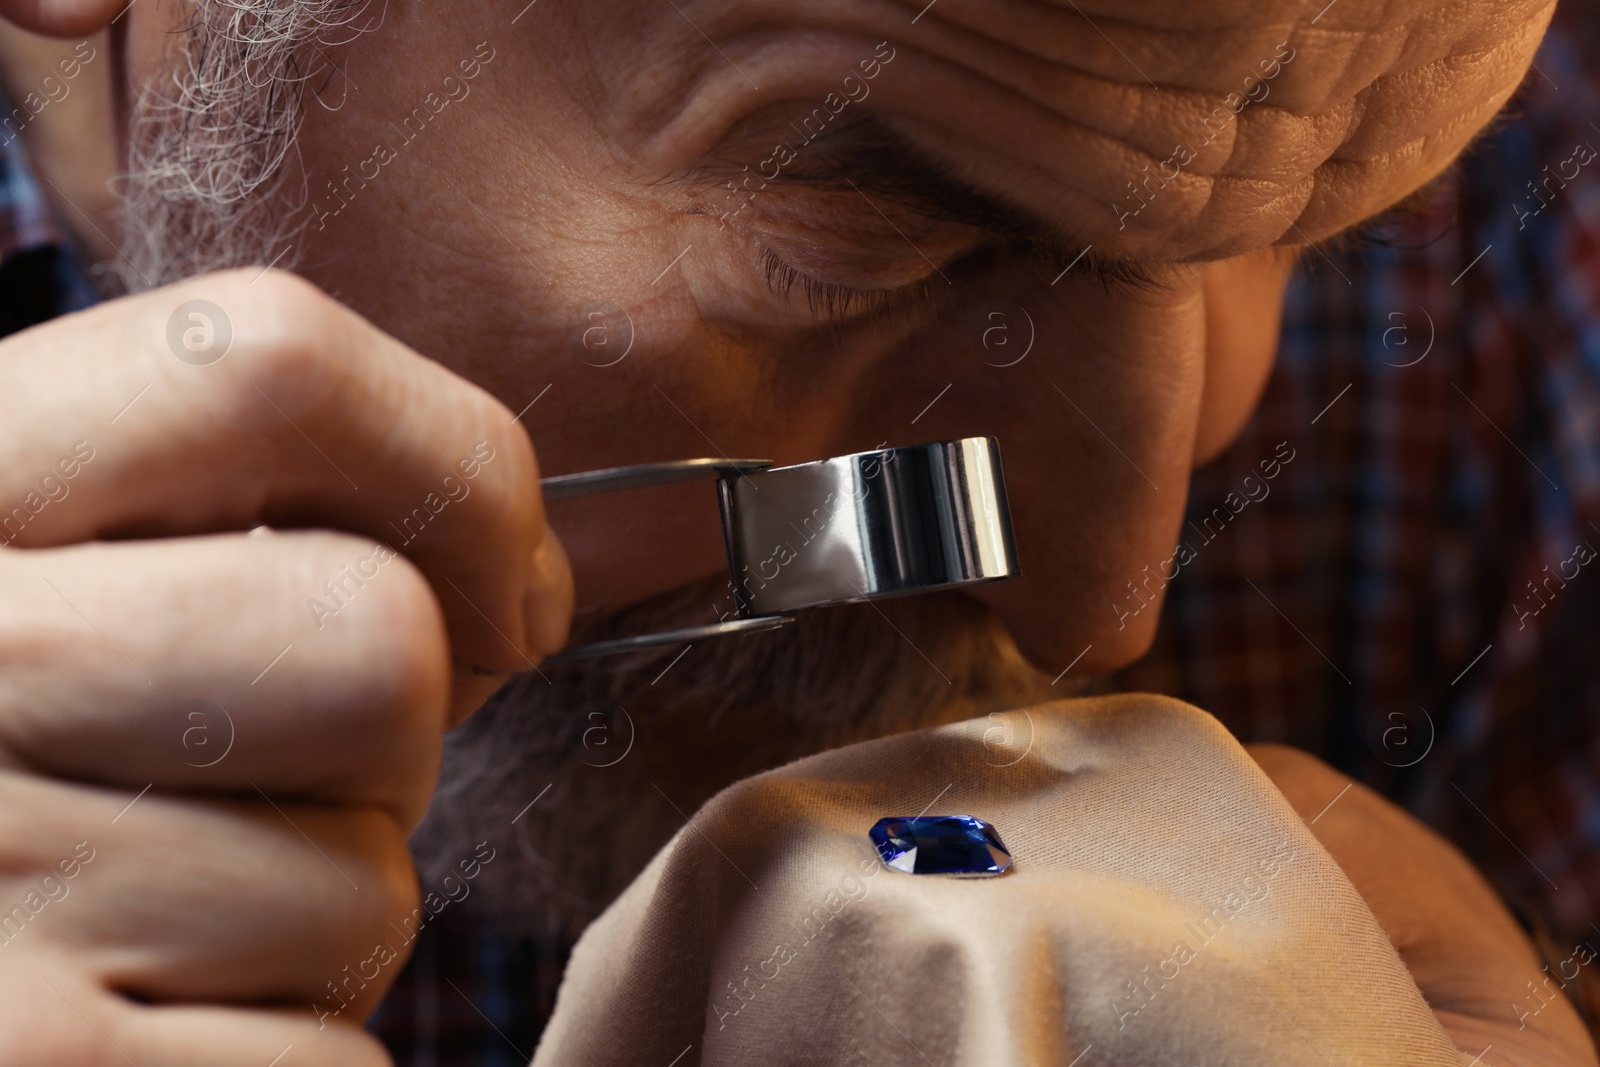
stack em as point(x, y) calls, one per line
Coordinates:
point(213, 180)
point(629, 746)
point(621, 782)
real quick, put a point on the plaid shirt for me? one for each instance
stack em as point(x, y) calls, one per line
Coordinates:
point(1403, 598)
point(39, 275)
point(1411, 596)
point(1417, 599)
point(1426, 566)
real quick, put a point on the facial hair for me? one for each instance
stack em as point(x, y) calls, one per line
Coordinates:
point(213, 179)
point(630, 746)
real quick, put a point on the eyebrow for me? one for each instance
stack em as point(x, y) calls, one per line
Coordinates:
point(866, 155)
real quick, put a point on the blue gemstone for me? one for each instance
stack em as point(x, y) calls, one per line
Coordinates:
point(940, 844)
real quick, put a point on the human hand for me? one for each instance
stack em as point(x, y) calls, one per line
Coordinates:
point(280, 695)
point(1468, 955)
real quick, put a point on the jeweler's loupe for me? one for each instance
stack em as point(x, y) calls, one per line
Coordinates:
point(866, 526)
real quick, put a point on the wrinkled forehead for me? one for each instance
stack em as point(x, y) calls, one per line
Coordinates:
point(1161, 129)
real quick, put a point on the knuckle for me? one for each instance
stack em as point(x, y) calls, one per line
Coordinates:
point(289, 308)
point(374, 854)
point(414, 637)
point(390, 621)
point(285, 335)
point(390, 869)
point(512, 493)
point(39, 1034)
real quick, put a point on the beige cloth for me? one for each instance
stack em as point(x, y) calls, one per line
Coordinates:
point(1166, 907)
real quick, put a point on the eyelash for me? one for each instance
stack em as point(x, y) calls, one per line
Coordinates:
point(842, 303)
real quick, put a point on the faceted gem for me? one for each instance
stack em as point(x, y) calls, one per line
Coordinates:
point(940, 844)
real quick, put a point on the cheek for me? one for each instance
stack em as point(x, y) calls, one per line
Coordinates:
point(1096, 426)
point(1243, 311)
point(683, 390)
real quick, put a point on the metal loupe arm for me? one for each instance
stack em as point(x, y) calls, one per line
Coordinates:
point(860, 527)
point(644, 475)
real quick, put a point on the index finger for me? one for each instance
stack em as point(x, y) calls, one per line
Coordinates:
point(235, 400)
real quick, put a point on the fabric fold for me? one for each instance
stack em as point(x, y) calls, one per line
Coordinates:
point(1166, 906)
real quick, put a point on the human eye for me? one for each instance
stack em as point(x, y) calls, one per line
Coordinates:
point(836, 304)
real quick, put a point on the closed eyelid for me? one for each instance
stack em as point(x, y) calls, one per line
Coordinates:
point(843, 304)
point(867, 162)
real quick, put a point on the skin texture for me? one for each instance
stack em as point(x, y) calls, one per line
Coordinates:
point(572, 182)
point(1464, 949)
point(126, 664)
point(719, 363)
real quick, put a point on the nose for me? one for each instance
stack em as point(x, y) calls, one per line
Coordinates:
point(1097, 431)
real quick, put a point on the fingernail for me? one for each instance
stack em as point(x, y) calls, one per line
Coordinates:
point(547, 604)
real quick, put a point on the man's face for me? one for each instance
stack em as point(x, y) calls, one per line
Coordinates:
point(749, 228)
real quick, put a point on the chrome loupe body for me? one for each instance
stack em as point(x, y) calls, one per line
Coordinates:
point(890, 522)
point(873, 524)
